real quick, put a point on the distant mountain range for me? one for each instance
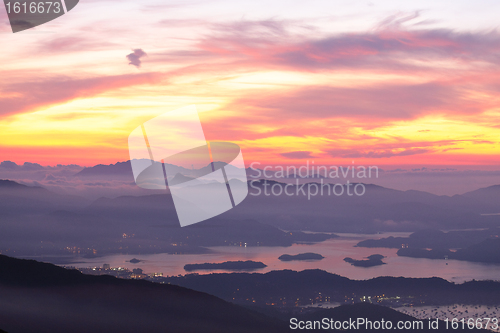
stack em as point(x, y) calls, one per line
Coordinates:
point(379, 209)
point(124, 170)
point(36, 221)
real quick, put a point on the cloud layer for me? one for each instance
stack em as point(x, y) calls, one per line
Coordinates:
point(284, 89)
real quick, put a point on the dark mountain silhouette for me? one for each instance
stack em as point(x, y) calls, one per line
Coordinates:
point(119, 169)
point(39, 297)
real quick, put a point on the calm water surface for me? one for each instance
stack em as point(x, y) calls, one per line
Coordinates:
point(334, 251)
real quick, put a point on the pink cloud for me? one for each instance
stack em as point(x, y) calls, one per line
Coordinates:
point(270, 44)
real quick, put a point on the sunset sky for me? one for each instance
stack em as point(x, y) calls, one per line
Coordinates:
point(378, 82)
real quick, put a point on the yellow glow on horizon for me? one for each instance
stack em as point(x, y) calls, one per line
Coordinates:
point(447, 133)
point(89, 122)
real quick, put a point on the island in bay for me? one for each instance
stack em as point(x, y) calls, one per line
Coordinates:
point(373, 260)
point(301, 256)
point(227, 265)
point(134, 261)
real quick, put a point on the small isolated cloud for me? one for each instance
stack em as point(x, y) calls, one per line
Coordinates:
point(297, 154)
point(135, 57)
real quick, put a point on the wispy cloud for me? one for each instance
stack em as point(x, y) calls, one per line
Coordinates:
point(270, 44)
point(33, 95)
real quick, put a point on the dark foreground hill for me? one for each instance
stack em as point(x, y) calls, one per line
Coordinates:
point(40, 297)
